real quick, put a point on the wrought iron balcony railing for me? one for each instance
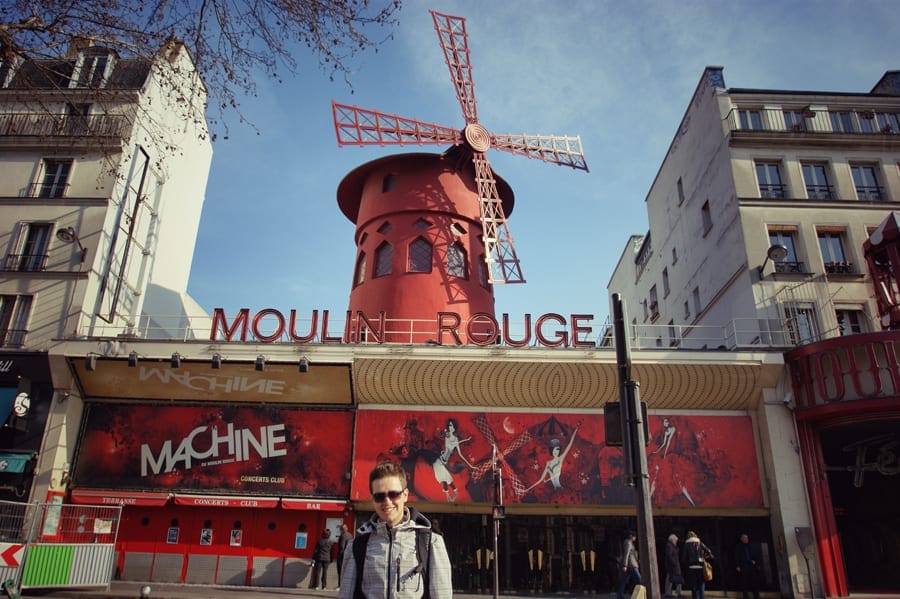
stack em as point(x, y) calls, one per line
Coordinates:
point(51, 125)
point(12, 337)
point(839, 268)
point(25, 262)
point(820, 192)
point(870, 193)
point(787, 266)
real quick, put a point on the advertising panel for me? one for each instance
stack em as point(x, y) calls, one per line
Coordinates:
point(693, 460)
point(260, 450)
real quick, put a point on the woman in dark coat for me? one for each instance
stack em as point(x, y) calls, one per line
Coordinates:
point(674, 578)
point(321, 560)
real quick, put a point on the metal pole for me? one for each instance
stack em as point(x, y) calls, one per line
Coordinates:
point(634, 441)
point(496, 515)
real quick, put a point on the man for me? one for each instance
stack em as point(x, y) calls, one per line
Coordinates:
point(747, 567)
point(630, 572)
point(344, 540)
point(391, 568)
point(674, 578)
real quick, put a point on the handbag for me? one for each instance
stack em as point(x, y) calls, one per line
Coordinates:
point(707, 571)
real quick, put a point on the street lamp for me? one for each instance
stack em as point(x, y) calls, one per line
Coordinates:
point(775, 253)
point(68, 235)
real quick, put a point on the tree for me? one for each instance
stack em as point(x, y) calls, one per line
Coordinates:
point(231, 41)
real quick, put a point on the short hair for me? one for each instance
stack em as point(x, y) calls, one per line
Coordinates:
point(673, 537)
point(385, 470)
point(326, 533)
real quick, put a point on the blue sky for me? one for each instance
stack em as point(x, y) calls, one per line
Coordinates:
point(619, 74)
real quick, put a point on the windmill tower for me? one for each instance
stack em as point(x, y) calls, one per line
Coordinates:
point(431, 230)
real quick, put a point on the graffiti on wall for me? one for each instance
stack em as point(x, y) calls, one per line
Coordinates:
point(701, 461)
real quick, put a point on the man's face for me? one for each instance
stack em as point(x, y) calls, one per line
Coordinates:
point(745, 539)
point(388, 509)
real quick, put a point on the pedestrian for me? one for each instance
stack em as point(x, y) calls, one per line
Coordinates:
point(321, 560)
point(695, 554)
point(343, 541)
point(630, 572)
point(390, 564)
point(674, 578)
point(747, 567)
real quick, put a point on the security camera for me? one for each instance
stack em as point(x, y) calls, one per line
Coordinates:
point(788, 398)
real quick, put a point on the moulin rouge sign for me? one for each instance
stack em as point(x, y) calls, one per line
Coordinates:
point(482, 329)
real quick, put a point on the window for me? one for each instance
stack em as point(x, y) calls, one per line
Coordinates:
point(786, 236)
point(794, 120)
point(750, 119)
point(850, 321)
point(680, 187)
point(695, 295)
point(816, 179)
point(93, 67)
point(419, 256)
point(654, 303)
point(29, 252)
point(866, 181)
point(360, 276)
point(674, 255)
point(665, 282)
point(887, 122)
point(706, 217)
point(768, 175)
point(14, 313)
point(77, 120)
point(421, 224)
point(385, 228)
point(388, 183)
point(866, 121)
point(384, 258)
point(831, 243)
point(687, 310)
point(55, 178)
point(802, 325)
point(842, 122)
point(456, 261)
point(673, 335)
point(482, 271)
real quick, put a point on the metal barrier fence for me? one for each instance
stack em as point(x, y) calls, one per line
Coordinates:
point(55, 545)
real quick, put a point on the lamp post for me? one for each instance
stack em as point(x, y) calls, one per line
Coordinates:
point(497, 515)
point(633, 443)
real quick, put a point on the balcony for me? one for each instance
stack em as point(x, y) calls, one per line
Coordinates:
point(820, 192)
point(862, 122)
point(839, 268)
point(44, 125)
point(870, 193)
point(772, 191)
point(25, 262)
point(789, 267)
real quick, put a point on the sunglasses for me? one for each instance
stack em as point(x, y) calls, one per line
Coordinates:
point(393, 495)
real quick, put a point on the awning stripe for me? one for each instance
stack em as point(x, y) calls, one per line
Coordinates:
point(103, 497)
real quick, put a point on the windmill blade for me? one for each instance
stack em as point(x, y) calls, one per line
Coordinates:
point(499, 251)
point(356, 126)
point(455, 44)
point(558, 149)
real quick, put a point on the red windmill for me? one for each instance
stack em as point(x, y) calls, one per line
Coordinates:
point(429, 206)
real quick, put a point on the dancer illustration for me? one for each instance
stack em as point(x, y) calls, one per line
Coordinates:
point(668, 466)
point(553, 467)
point(442, 468)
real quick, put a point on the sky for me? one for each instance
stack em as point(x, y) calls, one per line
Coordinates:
point(618, 74)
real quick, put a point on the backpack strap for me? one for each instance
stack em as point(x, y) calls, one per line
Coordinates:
point(360, 541)
point(423, 554)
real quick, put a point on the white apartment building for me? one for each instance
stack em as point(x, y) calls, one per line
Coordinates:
point(757, 219)
point(103, 169)
point(808, 174)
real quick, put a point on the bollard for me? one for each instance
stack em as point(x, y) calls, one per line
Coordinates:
point(10, 590)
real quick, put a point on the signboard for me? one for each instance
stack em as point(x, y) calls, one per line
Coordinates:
point(256, 453)
point(559, 458)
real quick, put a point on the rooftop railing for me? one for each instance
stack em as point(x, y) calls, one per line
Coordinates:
point(51, 125)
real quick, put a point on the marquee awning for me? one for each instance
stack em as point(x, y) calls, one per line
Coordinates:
point(106, 497)
point(225, 501)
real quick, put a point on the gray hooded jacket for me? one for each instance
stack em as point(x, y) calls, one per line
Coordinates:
point(390, 566)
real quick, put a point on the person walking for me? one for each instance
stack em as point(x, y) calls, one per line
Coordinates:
point(630, 568)
point(747, 567)
point(695, 554)
point(674, 578)
point(343, 541)
point(390, 566)
point(321, 560)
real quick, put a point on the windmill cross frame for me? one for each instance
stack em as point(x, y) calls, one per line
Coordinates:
point(361, 127)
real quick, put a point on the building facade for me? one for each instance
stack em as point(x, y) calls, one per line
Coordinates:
point(102, 178)
point(757, 220)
